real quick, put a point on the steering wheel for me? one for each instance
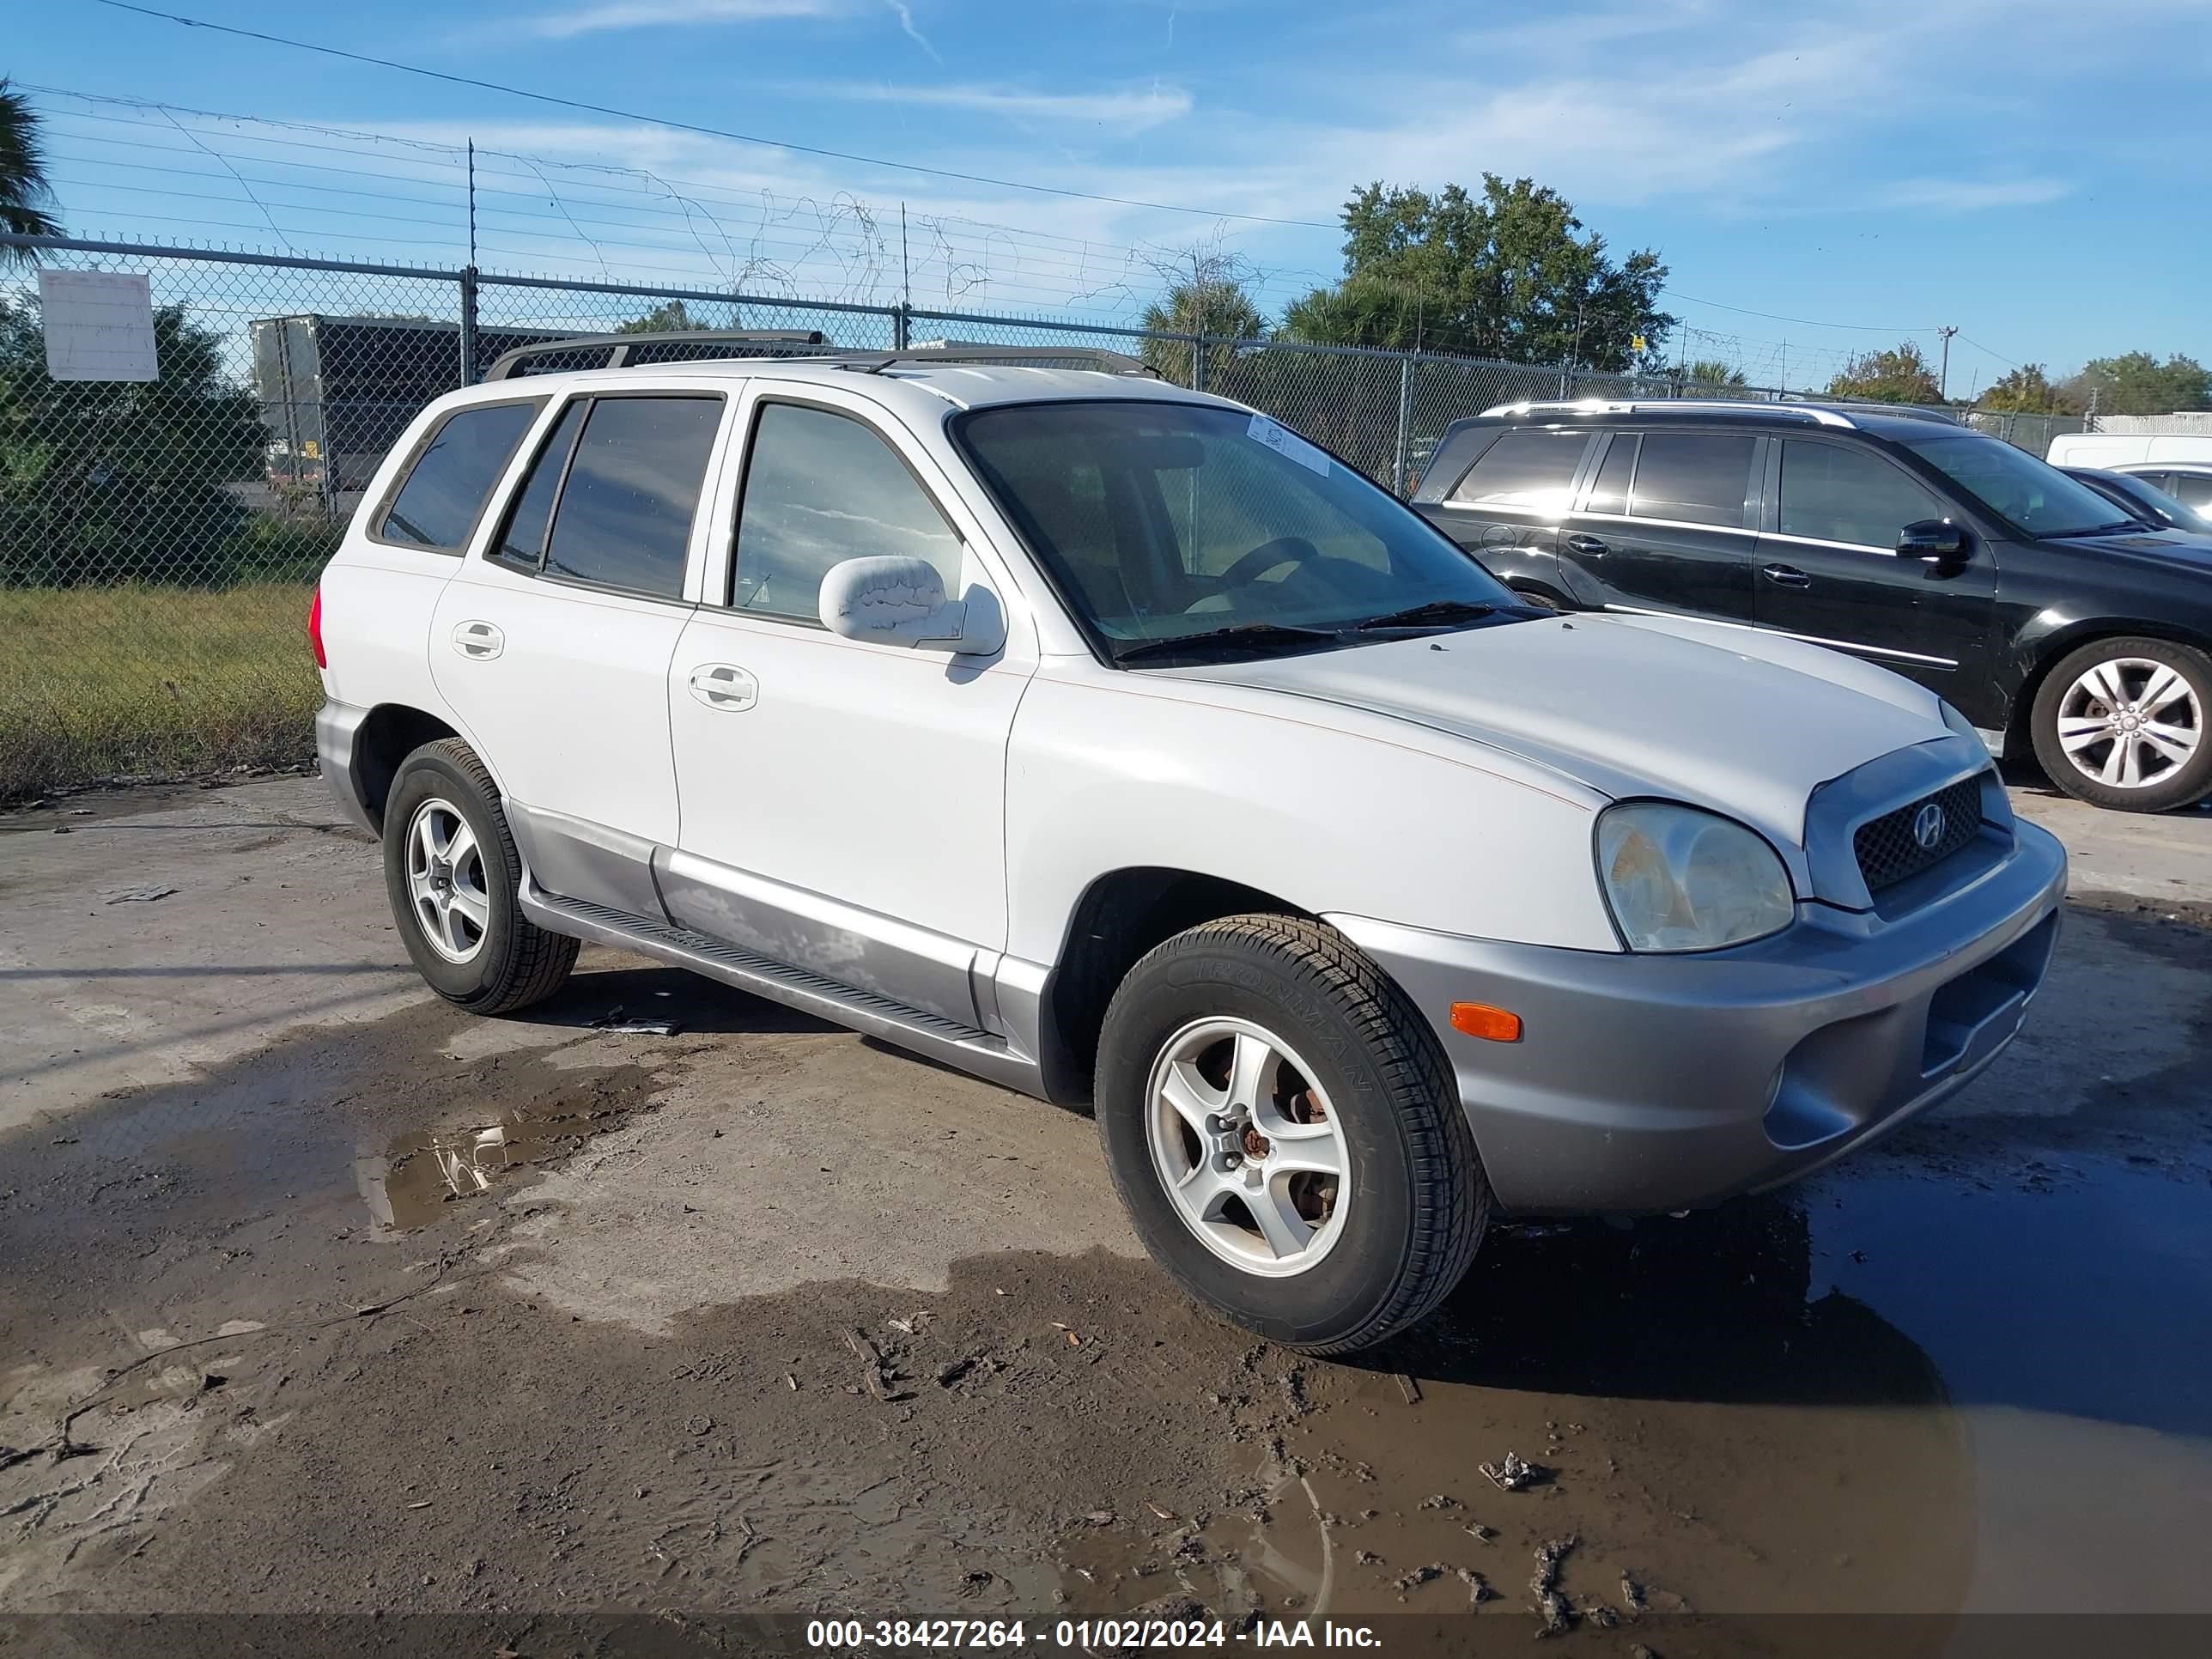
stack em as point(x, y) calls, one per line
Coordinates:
point(1292, 549)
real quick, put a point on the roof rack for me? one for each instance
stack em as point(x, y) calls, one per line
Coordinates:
point(705, 344)
point(1808, 414)
point(1103, 360)
point(621, 349)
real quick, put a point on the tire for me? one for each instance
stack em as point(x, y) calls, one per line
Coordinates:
point(2100, 696)
point(1538, 598)
point(443, 796)
point(1393, 1233)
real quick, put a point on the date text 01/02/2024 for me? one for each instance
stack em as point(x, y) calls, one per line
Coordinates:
point(932, 1634)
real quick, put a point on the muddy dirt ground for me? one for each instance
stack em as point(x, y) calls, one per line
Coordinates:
point(317, 1298)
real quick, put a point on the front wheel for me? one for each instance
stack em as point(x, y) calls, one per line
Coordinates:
point(1285, 1134)
point(2120, 723)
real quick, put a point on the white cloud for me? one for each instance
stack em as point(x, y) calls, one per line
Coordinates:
point(1127, 109)
point(1972, 195)
point(649, 14)
point(905, 13)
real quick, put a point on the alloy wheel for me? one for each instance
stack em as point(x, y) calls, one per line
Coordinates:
point(446, 881)
point(2129, 723)
point(1248, 1147)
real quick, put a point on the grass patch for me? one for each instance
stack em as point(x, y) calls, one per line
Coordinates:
point(108, 682)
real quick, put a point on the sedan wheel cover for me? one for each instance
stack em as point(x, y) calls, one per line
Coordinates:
point(2130, 723)
point(1248, 1147)
point(446, 881)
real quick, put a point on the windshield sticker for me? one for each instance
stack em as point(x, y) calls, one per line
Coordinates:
point(1287, 444)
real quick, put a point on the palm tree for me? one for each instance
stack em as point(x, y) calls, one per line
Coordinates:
point(24, 192)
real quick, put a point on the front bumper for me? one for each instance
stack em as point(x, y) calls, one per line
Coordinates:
point(1646, 1082)
point(336, 725)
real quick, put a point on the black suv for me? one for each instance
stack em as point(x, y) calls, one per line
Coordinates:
point(2031, 602)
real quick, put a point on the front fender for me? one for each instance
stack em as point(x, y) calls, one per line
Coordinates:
point(1333, 809)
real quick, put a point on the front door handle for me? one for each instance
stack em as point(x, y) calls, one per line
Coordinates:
point(726, 686)
point(481, 641)
point(1786, 575)
point(1588, 546)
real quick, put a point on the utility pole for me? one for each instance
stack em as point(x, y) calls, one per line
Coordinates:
point(1943, 384)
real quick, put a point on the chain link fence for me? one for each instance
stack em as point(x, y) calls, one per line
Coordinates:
point(159, 541)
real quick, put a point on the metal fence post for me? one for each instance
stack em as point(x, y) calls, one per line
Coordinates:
point(1198, 362)
point(1404, 450)
point(902, 326)
point(468, 325)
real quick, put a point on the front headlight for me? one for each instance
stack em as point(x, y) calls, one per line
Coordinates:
point(1681, 879)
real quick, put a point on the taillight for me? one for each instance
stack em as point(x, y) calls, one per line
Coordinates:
point(315, 630)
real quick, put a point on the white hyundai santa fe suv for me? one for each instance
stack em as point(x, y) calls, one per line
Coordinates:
point(1113, 742)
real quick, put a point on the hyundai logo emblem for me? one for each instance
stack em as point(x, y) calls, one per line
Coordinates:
point(1928, 826)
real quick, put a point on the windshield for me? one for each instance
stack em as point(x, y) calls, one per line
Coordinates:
point(1166, 521)
point(2168, 509)
point(2033, 495)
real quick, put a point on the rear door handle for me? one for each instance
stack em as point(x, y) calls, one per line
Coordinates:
point(1786, 575)
point(1588, 546)
point(726, 686)
point(479, 640)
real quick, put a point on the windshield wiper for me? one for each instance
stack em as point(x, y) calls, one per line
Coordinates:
point(1258, 636)
point(1435, 611)
point(2101, 530)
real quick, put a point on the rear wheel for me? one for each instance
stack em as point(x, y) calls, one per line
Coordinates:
point(2121, 723)
point(454, 877)
point(1285, 1134)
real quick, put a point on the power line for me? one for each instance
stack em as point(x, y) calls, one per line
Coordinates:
point(1771, 316)
point(711, 132)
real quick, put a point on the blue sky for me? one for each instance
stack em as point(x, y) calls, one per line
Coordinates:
point(2033, 172)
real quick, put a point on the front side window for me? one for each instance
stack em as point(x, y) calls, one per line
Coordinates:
point(624, 516)
point(453, 477)
point(2192, 489)
point(820, 489)
point(1694, 477)
point(1173, 528)
point(2037, 497)
point(1834, 494)
point(1529, 467)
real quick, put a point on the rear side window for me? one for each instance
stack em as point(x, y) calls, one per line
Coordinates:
point(820, 489)
point(1832, 494)
point(624, 516)
point(1609, 492)
point(1694, 477)
point(523, 539)
point(1530, 467)
point(451, 477)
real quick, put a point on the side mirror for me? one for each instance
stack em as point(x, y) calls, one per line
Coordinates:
point(1933, 541)
point(893, 601)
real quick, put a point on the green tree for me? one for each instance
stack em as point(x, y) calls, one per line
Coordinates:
point(24, 192)
point(1711, 371)
point(2028, 391)
point(1203, 293)
point(668, 318)
point(106, 481)
point(1508, 273)
point(2136, 383)
point(1900, 375)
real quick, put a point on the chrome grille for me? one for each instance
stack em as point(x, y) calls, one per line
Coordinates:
point(1889, 847)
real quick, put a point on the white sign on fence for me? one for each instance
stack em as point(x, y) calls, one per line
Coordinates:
point(99, 325)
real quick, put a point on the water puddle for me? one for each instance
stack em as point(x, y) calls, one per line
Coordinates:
point(1266, 1553)
point(419, 1174)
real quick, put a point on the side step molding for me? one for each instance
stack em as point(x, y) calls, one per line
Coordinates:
point(957, 1045)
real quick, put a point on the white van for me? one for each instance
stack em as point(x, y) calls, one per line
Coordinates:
point(2129, 450)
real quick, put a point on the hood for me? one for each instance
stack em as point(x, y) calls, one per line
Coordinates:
point(2170, 549)
point(1745, 723)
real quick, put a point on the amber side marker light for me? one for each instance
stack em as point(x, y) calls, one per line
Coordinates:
point(1480, 1019)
